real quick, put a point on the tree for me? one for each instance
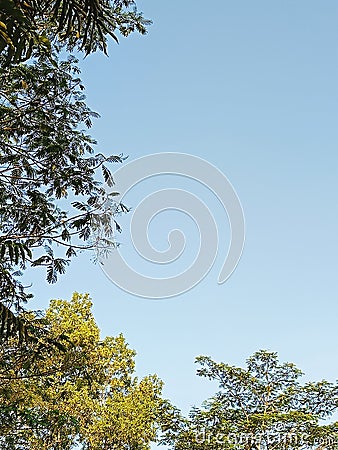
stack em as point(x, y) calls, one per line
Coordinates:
point(46, 158)
point(83, 396)
point(30, 25)
point(261, 407)
point(45, 155)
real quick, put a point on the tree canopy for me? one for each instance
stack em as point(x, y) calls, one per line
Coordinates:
point(84, 395)
point(51, 194)
point(263, 406)
point(46, 158)
point(30, 25)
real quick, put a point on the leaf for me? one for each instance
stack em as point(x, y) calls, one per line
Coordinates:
point(11, 325)
point(118, 227)
point(70, 252)
point(107, 176)
point(80, 206)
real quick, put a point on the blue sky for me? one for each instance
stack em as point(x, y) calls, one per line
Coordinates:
point(250, 86)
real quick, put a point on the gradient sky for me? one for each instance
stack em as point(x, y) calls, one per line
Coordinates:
point(251, 86)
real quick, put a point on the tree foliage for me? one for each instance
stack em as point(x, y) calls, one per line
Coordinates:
point(84, 395)
point(261, 407)
point(50, 193)
point(28, 25)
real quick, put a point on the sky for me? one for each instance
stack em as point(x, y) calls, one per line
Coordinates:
point(251, 87)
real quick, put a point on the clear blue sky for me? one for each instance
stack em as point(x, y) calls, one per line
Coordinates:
point(250, 86)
